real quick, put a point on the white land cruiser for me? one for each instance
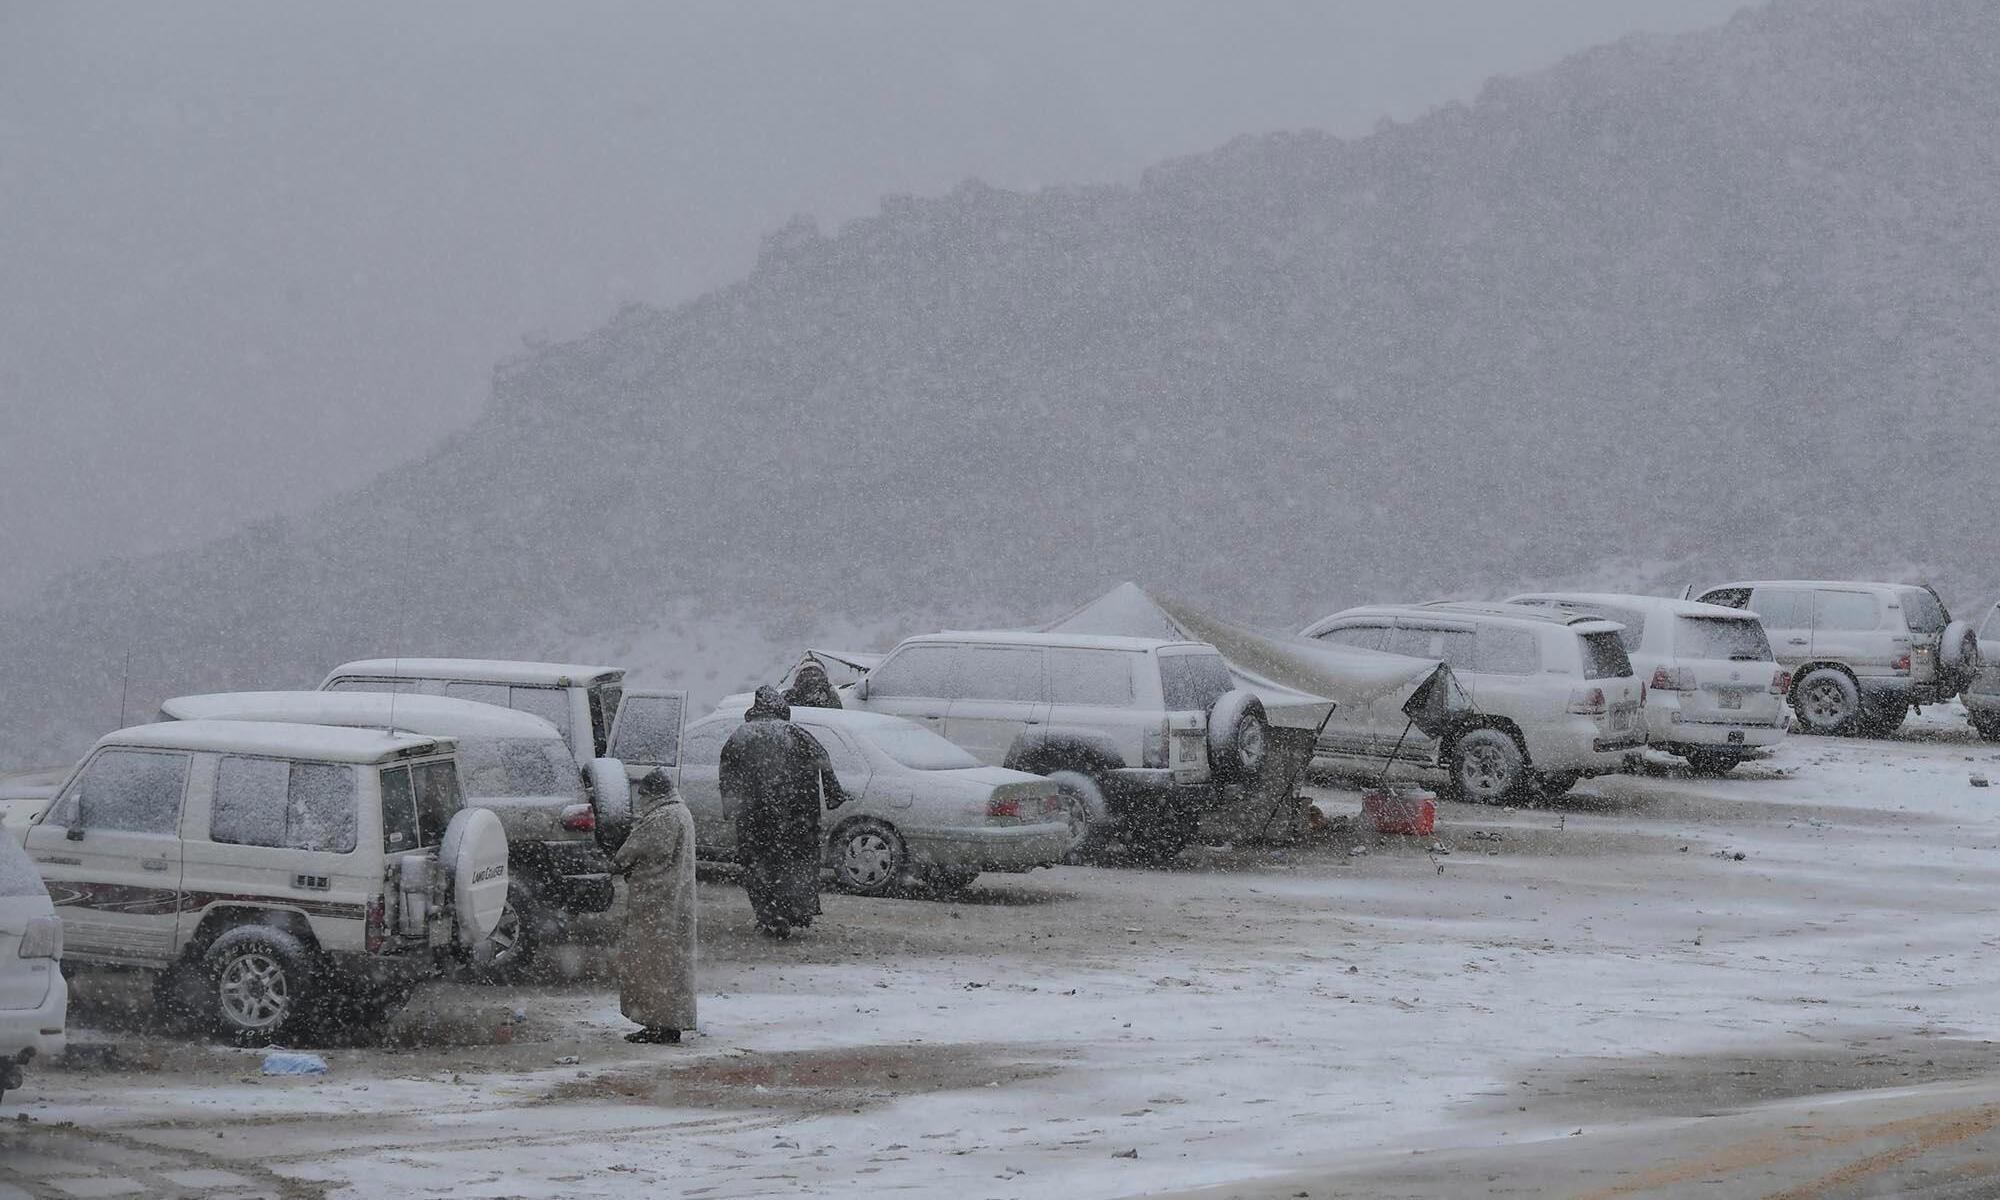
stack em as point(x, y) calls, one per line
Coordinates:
point(1861, 654)
point(1714, 690)
point(34, 999)
point(580, 701)
point(510, 762)
point(273, 875)
point(1136, 731)
point(1555, 696)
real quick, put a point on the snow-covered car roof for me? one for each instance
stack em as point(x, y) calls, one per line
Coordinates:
point(1652, 604)
point(1486, 609)
point(1075, 641)
point(735, 706)
point(480, 670)
point(441, 715)
point(329, 743)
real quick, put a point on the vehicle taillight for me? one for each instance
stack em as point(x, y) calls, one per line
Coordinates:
point(42, 938)
point(579, 818)
point(1588, 702)
point(377, 935)
point(1781, 683)
point(1054, 803)
point(1154, 751)
point(1675, 679)
point(1003, 806)
point(1901, 664)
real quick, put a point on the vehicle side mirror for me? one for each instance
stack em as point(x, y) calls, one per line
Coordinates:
point(861, 689)
point(74, 833)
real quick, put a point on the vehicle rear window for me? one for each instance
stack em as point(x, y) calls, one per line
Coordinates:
point(1736, 639)
point(17, 870)
point(417, 803)
point(605, 700)
point(1194, 682)
point(1922, 612)
point(516, 767)
point(648, 730)
point(922, 750)
point(1603, 656)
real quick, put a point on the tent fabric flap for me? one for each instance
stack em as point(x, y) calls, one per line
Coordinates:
point(1299, 679)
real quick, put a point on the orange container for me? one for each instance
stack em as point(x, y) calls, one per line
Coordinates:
point(1400, 812)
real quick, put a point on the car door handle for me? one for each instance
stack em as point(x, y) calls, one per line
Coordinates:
point(153, 865)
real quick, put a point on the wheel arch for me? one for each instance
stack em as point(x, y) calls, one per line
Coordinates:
point(221, 918)
point(1505, 725)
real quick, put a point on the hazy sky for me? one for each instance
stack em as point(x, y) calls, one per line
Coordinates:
point(252, 253)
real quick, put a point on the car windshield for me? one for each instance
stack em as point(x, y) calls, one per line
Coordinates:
point(516, 767)
point(1734, 638)
point(1922, 612)
point(921, 750)
point(1604, 656)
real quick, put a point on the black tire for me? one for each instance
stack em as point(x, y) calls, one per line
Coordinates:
point(511, 951)
point(1826, 701)
point(868, 857)
point(1959, 657)
point(261, 985)
point(1158, 837)
point(950, 881)
point(1239, 741)
point(1987, 727)
point(1083, 798)
point(1557, 784)
point(1713, 762)
point(1487, 766)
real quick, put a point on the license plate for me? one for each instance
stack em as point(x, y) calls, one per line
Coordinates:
point(1730, 699)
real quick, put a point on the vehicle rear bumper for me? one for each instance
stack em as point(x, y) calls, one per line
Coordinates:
point(1163, 785)
point(573, 874)
point(1902, 692)
point(989, 848)
point(40, 1031)
point(1667, 725)
point(1581, 746)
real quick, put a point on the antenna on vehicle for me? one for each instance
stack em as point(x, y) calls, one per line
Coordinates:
point(124, 687)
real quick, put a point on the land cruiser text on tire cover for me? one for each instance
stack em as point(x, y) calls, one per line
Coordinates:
point(475, 852)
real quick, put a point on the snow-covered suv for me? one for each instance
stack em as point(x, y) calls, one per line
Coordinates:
point(1555, 696)
point(272, 874)
point(1714, 690)
point(34, 999)
point(1861, 654)
point(1136, 731)
point(1982, 694)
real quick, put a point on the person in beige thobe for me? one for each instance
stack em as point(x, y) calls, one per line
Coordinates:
point(656, 948)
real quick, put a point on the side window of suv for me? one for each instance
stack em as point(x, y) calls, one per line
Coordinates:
point(928, 670)
point(1737, 597)
point(292, 805)
point(1845, 611)
point(1507, 650)
point(127, 791)
point(1002, 673)
point(1413, 640)
point(1100, 678)
point(1783, 608)
point(1361, 637)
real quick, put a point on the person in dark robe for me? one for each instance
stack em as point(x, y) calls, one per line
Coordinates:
point(776, 778)
point(811, 688)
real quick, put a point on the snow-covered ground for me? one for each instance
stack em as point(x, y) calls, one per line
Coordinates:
point(1656, 948)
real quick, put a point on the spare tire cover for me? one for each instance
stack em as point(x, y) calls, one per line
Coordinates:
point(475, 852)
point(610, 802)
point(1958, 652)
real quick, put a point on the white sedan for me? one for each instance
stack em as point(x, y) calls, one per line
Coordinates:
point(918, 806)
point(34, 999)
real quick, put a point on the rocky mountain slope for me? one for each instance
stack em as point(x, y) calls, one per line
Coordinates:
point(1716, 304)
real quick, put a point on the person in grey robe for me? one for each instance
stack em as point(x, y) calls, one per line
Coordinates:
point(656, 948)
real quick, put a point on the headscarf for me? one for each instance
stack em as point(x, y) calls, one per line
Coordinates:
point(769, 705)
point(654, 789)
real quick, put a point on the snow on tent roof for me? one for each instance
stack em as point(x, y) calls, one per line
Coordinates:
point(1295, 677)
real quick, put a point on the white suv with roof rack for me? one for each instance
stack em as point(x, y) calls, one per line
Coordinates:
point(1861, 654)
point(1136, 731)
point(1714, 691)
point(1554, 693)
point(274, 875)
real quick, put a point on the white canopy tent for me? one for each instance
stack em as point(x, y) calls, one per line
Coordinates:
point(1299, 679)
